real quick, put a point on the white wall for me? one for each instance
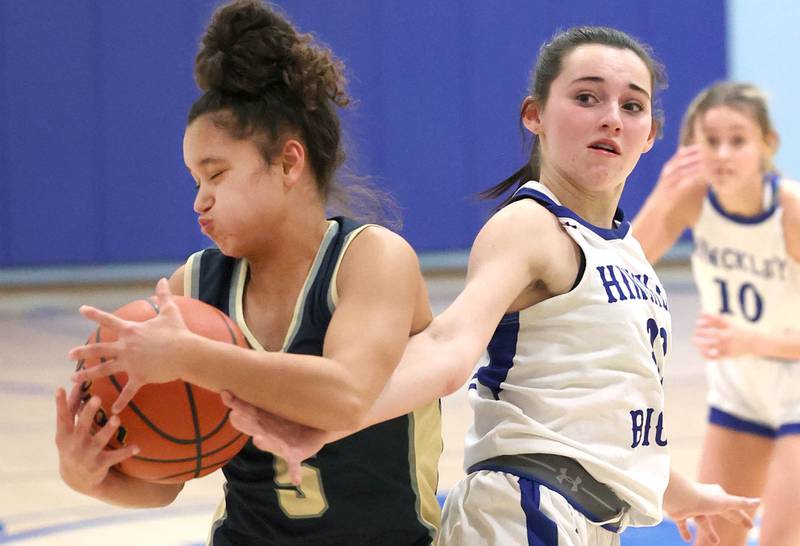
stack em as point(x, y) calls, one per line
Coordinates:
point(764, 48)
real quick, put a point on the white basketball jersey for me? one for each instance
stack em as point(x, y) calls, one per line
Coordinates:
point(580, 374)
point(741, 266)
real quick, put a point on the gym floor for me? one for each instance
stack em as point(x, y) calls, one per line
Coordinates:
point(39, 325)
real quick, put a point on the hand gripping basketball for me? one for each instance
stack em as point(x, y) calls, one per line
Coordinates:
point(182, 431)
point(147, 352)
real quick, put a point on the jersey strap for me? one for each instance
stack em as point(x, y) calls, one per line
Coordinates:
point(560, 211)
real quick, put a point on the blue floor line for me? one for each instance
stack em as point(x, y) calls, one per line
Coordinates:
point(101, 521)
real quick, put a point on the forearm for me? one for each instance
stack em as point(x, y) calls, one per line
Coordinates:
point(785, 345)
point(311, 390)
point(121, 490)
point(677, 490)
point(654, 228)
point(434, 364)
point(420, 378)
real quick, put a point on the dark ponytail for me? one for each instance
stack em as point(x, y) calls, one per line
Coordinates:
point(547, 69)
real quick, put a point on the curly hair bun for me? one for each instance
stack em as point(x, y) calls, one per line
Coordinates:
point(251, 50)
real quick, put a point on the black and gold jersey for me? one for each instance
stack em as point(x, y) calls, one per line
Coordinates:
point(376, 487)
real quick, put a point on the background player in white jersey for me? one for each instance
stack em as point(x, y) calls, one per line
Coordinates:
point(745, 221)
point(568, 445)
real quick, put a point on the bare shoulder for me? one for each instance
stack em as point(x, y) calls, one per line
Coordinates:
point(790, 201)
point(522, 220)
point(789, 193)
point(525, 235)
point(176, 281)
point(377, 251)
point(527, 226)
point(379, 243)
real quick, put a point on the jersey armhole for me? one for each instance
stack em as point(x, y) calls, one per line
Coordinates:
point(581, 270)
point(191, 276)
point(333, 291)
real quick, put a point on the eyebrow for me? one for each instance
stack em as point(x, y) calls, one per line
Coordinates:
point(207, 161)
point(598, 79)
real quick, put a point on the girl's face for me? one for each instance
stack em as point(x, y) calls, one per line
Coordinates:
point(239, 195)
point(734, 147)
point(597, 120)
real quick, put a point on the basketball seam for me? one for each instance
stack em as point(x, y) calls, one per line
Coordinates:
point(198, 443)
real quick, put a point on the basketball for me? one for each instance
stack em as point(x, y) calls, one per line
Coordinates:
point(182, 430)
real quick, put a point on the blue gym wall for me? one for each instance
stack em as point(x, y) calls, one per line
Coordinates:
point(93, 99)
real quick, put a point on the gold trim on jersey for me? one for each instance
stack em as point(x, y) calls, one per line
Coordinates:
point(424, 431)
point(333, 291)
point(425, 447)
point(191, 276)
point(236, 304)
point(220, 514)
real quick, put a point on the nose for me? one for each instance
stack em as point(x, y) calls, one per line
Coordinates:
point(611, 118)
point(723, 151)
point(203, 200)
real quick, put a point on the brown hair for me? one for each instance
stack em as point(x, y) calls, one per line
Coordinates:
point(548, 67)
point(745, 97)
point(262, 79)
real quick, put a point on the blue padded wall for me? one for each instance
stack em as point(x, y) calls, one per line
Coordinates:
point(94, 95)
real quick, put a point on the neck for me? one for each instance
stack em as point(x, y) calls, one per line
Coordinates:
point(595, 206)
point(289, 251)
point(747, 200)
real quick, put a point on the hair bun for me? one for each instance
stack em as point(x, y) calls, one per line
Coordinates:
point(251, 50)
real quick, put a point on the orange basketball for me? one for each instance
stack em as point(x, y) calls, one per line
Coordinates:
point(182, 430)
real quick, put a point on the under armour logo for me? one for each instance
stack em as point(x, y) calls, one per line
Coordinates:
point(563, 477)
point(573, 226)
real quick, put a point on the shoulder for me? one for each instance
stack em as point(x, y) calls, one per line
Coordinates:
point(176, 281)
point(521, 217)
point(527, 238)
point(790, 201)
point(377, 252)
point(524, 225)
point(381, 243)
point(789, 194)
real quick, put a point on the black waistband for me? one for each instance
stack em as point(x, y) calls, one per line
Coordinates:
point(565, 476)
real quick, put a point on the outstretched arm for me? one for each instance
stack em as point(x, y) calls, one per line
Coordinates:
point(378, 291)
point(439, 360)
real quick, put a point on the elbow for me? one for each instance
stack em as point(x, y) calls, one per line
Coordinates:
point(165, 496)
point(349, 413)
point(459, 368)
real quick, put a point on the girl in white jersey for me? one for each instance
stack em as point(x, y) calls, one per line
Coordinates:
point(745, 221)
point(568, 446)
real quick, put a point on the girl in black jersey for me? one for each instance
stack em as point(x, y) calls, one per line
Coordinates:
point(327, 304)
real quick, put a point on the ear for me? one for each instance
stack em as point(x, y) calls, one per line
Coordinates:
point(655, 127)
point(292, 161)
point(773, 142)
point(531, 114)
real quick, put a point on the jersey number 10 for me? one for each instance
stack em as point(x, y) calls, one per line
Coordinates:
point(750, 302)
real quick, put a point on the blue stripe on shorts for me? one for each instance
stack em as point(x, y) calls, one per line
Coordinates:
point(789, 428)
point(542, 531)
point(723, 419)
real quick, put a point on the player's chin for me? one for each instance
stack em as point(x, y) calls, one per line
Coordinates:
point(229, 247)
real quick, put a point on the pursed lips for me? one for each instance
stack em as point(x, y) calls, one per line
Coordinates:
point(205, 224)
